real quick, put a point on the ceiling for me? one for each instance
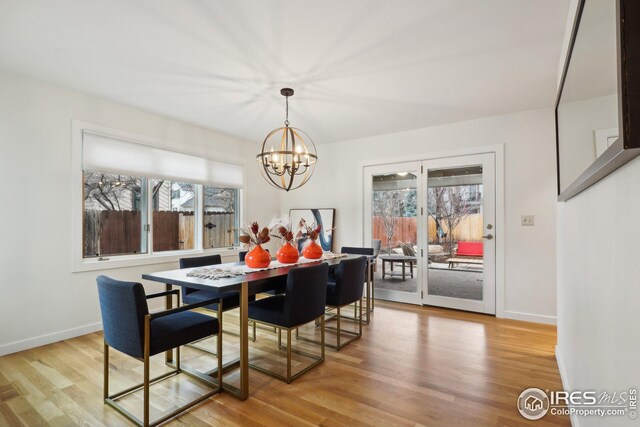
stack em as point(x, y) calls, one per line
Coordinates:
point(359, 67)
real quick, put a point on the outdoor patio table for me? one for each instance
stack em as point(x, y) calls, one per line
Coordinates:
point(403, 259)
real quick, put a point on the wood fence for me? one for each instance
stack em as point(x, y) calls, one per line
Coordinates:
point(166, 231)
point(469, 230)
point(111, 232)
point(120, 232)
point(219, 229)
point(406, 231)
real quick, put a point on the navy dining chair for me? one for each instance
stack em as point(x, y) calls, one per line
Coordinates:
point(357, 250)
point(223, 301)
point(346, 290)
point(353, 250)
point(303, 302)
point(132, 330)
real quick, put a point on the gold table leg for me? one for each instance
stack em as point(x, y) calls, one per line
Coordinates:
point(373, 284)
point(244, 341)
point(369, 283)
point(241, 392)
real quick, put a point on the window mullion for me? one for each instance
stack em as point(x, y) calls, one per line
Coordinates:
point(198, 210)
point(144, 234)
point(149, 211)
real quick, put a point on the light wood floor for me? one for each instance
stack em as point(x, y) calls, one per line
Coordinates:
point(414, 366)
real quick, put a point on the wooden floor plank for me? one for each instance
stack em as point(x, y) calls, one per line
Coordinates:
point(414, 366)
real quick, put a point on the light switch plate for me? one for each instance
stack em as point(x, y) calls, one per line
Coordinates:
point(526, 220)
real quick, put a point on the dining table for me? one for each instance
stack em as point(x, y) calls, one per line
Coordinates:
point(251, 282)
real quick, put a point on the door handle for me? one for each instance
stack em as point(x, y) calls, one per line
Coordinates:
point(488, 236)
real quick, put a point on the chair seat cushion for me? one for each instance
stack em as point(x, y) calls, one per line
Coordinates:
point(270, 310)
point(230, 300)
point(178, 329)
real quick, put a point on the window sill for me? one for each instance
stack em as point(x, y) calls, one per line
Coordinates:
point(123, 261)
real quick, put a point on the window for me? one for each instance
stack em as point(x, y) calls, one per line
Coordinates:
point(221, 218)
point(139, 200)
point(113, 218)
point(173, 215)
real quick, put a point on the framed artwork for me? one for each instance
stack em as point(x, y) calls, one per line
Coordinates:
point(322, 217)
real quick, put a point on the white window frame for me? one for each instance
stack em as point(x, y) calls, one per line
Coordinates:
point(79, 263)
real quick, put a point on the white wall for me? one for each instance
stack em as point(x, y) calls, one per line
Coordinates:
point(599, 286)
point(577, 122)
point(41, 301)
point(530, 188)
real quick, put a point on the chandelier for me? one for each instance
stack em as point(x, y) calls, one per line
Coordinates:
point(288, 156)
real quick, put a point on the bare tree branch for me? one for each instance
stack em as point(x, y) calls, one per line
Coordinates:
point(389, 205)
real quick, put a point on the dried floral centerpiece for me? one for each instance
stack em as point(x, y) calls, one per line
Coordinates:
point(254, 237)
point(312, 250)
point(288, 253)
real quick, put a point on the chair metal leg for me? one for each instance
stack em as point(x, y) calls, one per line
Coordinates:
point(322, 337)
point(360, 320)
point(219, 351)
point(289, 377)
point(219, 339)
point(147, 382)
point(147, 334)
point(367, 296)
point(288, 356)
point(254, 331)
point(373, 297)
point(338, 326)
point(338, 329)
point(105, 374)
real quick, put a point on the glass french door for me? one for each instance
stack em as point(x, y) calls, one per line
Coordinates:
point(434, 222)
point(459, 224)
point(393, 196)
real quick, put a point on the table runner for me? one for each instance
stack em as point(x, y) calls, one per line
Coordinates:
point(220, 272)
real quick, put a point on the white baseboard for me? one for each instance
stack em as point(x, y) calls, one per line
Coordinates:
point(565, 383)
point(28, 343)
point(528, 317)
point(41, 340)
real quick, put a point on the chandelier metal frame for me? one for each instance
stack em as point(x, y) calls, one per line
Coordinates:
point(294, 158)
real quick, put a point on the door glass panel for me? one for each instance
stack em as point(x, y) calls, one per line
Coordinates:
point(454, 232)
point(394, 211)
